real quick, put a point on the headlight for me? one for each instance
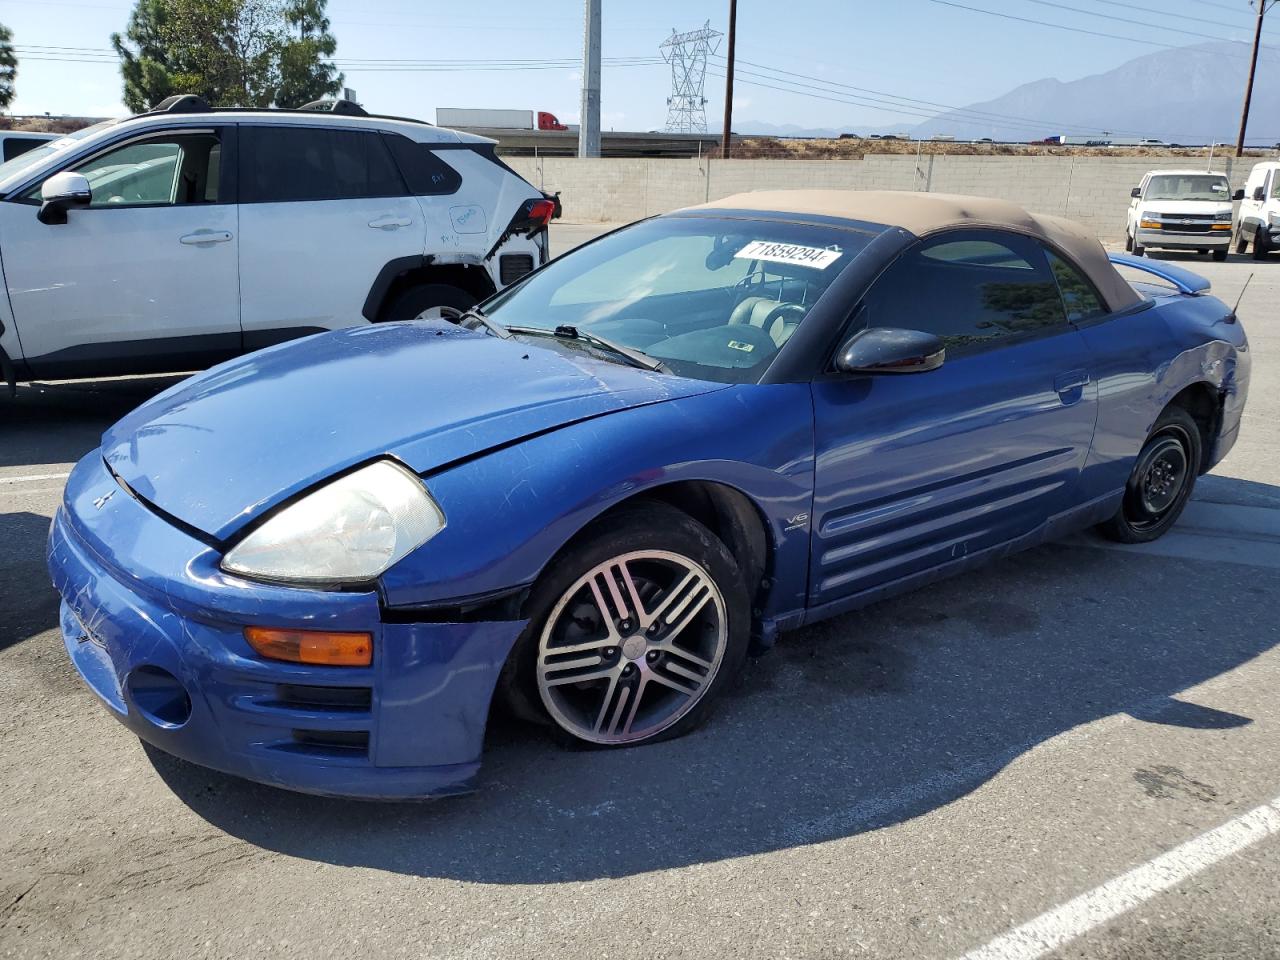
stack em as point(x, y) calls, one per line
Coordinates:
point(1224, 217)
point(349, 530)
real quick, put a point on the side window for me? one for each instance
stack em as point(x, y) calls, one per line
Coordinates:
point(166, 171)
point(1078, 296)
point(289, 164)
point(1275, 185)
point(973, 289)
point(424, 172)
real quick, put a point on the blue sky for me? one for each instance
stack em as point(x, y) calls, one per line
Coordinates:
point(921, 49)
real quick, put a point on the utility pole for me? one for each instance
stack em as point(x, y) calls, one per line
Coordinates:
point(728, 81)
point(1263, 6)
point(589, 128)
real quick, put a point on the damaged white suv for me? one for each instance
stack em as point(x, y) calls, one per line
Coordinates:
point(1181, 210)
point(187, 235)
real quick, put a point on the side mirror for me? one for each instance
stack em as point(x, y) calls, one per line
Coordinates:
point(1260, 193)
point(889, 350)
point(1136, 192)
point(1238, 195)
point(62, 192)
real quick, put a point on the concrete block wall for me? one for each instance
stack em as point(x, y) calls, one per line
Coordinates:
point(1091, 190)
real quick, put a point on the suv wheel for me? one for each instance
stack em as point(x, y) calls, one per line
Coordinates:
point(430, 301)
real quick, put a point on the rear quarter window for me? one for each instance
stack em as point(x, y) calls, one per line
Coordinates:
point(424, 172)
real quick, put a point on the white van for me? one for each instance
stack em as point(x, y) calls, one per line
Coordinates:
point(1259, 217)
point(1180, 210)
point(185, 236)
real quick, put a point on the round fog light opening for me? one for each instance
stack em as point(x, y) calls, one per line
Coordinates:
point(159, 696)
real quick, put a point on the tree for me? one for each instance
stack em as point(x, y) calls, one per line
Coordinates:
point(8, 67)
point(233, 53)
point(306, 72)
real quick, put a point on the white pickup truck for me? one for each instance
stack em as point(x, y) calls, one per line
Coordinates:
point(1181, 210)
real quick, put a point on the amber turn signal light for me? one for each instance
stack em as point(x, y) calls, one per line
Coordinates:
point(320, 647)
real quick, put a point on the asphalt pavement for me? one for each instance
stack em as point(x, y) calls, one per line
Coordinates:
point(1072, 750)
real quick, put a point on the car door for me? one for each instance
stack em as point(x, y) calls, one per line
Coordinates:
point(323, 210)
point(914, 471)
point(144, 278)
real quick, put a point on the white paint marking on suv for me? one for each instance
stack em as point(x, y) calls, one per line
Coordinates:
point(32, 478)
point(1090, 910)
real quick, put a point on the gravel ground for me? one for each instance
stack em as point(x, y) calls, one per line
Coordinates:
point(910, 780)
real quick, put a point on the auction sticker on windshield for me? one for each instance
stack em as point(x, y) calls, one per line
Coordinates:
point(767, 250)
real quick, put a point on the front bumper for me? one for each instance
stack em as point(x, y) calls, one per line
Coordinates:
point(155, 628)
point(1172, 240)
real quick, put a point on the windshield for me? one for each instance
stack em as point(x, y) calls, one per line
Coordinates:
point(31, 158)
point(713, 299)
point(1188, 186)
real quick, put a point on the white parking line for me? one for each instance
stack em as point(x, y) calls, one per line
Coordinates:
point(1076, 917)
point(34, 477)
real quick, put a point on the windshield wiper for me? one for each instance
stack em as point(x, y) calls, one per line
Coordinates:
point(632, 356)
point(494, 327)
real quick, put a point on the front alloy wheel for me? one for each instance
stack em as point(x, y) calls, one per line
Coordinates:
point(631, 647)
point(635, 629)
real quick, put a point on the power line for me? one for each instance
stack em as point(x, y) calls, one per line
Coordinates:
point(834, 97)
point(1165, 13)
point(1137, 23)
point(1063, 26)
point(986, 116)
point(99, 55)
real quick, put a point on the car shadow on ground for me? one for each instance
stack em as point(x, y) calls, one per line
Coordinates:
point(29, 602)
point(61, 422)
point(857, 723)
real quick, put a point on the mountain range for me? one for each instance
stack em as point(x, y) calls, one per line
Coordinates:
point(1185, 95)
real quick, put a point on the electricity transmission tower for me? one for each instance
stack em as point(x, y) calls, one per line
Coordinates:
point(688, 54)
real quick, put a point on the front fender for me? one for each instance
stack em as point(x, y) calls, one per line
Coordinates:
point(511, 510)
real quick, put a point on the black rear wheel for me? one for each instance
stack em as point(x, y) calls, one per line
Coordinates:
point(430, 301)
point(1161, 482)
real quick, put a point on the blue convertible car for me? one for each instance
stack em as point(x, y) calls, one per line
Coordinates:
point(320, 566)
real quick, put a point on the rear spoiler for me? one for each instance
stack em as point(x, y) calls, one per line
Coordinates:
point(1186, 281)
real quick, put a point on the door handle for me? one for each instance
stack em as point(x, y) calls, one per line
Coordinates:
point(1071, 380)
point(389, 222)
point(205, 236)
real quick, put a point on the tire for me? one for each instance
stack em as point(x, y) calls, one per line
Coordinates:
point(1260, 250)
point(1203, 253)
point(1219, 256)
point(1242, 243)
point(640, 682)
point(1155, 495)
point(1128, 242)
point(417, 301)
point(1138, 250)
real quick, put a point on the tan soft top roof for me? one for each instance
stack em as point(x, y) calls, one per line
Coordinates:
point(926, 213)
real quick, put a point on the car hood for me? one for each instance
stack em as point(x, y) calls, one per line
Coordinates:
point(220, 449)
